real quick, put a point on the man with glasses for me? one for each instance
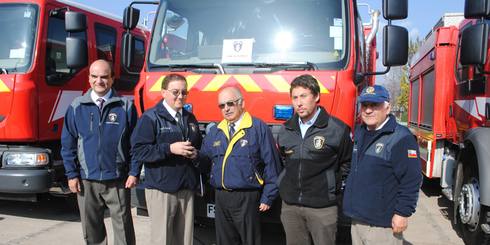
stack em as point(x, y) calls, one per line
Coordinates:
point(165, 140)
point(243, 172)
point(382, 189)
point(317, 150)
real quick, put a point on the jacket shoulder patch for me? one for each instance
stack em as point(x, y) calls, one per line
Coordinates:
point(412, 153)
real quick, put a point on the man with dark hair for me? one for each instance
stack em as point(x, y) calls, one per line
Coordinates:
point(165, 141)
point(383, 190)
point(317, 150)
point(243, 172)
point(95, 149)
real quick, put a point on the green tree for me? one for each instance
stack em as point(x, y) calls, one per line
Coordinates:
point(403, 96)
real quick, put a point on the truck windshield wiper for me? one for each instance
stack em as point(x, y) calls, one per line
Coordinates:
point(187, 67)
point(288, 66)
point(3, 71)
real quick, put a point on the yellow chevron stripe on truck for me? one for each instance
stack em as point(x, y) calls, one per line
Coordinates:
point(216, 83)
point(248, 83)
point(3, 87)
point(278, 82)
point(158, 85)
point(191, 81)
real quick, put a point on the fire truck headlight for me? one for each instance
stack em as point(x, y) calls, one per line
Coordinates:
point(284, 40)
point(22, 159)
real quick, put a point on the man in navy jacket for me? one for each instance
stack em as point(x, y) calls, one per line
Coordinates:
point(166, 140)
point(95, 151)
point(383, 185)
point(244, 170)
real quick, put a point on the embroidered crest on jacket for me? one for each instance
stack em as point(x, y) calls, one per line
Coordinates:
point(379, 147)
point(318, 142)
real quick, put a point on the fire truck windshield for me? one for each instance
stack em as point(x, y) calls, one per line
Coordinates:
point(19, 23)
point(193, 32)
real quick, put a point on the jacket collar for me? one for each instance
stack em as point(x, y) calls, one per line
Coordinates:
point(87, 98)
point(245, 123)
point(163, 112)
point(388, 127)
point(320, 122)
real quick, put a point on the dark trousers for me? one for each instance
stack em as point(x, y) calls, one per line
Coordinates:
point(93, 199)
point(237, 217)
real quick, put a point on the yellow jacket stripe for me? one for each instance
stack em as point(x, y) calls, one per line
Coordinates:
point(239, 133)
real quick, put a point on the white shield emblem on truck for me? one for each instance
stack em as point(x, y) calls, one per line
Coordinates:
point(318, 142)
point(237, 46)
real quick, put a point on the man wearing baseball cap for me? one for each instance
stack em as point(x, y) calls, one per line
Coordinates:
point(382, 188)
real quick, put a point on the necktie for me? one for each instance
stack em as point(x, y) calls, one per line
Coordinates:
point(232, 130)
point(100, 102)
point(181, 123)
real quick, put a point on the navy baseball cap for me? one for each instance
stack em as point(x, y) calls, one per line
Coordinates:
point(374, 94)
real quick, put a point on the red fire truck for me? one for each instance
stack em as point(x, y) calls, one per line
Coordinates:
point(36, 85)
point(261, 46)
point(449, 112)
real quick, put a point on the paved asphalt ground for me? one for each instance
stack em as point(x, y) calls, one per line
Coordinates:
point(53, 221)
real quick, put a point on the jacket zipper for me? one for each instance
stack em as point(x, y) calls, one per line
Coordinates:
point(98, 146)
point(358, 156)
point(300, 197)
point(91, 121)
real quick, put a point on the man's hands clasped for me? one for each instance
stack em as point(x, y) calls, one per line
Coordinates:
point(184, 148)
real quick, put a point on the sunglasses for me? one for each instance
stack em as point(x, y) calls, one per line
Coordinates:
point(176, 92)
point(229, 103)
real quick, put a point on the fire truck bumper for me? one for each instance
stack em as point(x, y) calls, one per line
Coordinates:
point(25, 181)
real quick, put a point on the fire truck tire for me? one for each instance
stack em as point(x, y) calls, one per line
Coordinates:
point(470, 214)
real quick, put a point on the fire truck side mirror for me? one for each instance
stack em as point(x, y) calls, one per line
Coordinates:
point(395, 9)
point(475, 9)
point(131, 17)
point(474, 44)
point(76, 48)
point(76, 52)
point(395, 45)
point(127, 50)
point(75, 21)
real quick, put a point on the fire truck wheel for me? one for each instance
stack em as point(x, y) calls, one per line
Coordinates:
point(470, 213)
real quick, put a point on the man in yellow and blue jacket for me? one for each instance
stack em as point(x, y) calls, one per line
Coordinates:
point(244, 161)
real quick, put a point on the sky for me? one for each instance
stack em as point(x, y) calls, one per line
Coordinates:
point(422, 14)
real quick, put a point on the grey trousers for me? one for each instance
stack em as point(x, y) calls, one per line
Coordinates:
point(304, 225)
point(364, 234)
point(92, 200)
point(171, 216)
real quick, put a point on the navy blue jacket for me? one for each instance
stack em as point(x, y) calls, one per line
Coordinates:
point(94, 144)
point(385, 178)
point(155, 131)
point(249, 160)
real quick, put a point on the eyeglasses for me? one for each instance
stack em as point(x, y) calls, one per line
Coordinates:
point(229, 103)
point(176, 92)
